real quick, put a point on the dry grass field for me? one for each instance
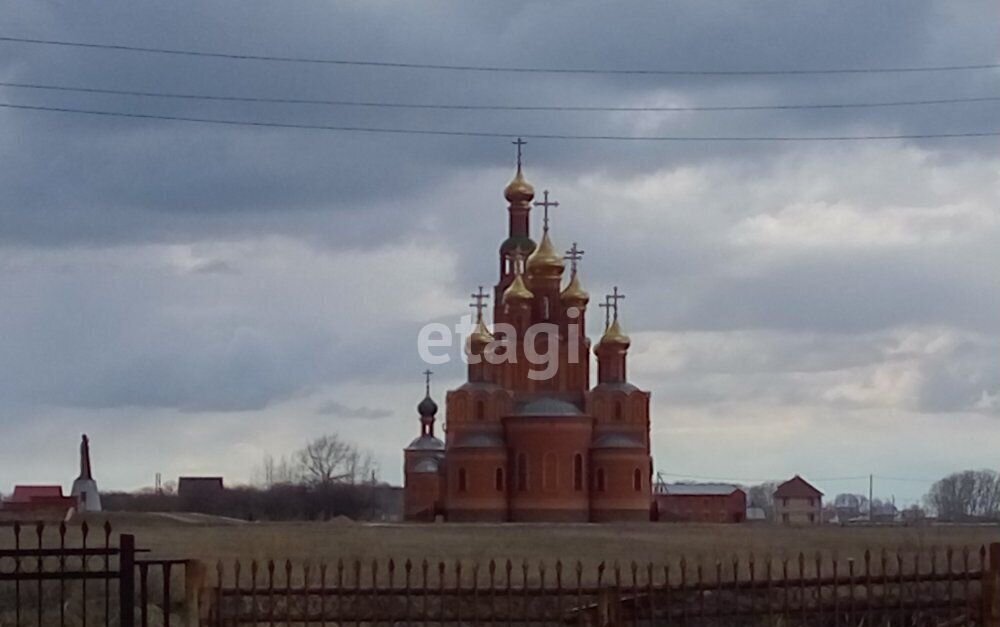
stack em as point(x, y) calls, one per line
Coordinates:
point(211, 540)
point(184, 536)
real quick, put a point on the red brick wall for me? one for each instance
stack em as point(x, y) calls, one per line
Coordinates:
point(702, 508)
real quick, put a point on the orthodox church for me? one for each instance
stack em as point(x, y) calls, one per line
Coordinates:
point(522, 447)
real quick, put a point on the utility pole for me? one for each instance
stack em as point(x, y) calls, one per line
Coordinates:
point(871, 497)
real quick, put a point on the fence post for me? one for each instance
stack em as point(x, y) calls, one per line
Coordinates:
point(194, 582)
point(126, 580)
point(991, 587)
point(609, 609)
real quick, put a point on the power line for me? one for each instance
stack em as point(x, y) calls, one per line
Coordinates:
point(491, 68)
point(552, 136)
point(486, 107)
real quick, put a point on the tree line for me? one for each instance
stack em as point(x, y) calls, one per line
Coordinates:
point(327, 478)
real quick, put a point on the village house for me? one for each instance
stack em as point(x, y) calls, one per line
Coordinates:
point(797, 502)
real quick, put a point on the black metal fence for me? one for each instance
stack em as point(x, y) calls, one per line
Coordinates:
point(59, 575)
point(949, 587)
point(54, 575)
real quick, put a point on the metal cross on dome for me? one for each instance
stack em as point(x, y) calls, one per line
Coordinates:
point(519, 143)
point(574, 255)
point(545, 204)
point(480, 297)
point(427, 377)
point(613, 298)
point(606, 306)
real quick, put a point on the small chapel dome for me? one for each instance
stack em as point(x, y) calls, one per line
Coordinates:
point(427, 407)
point(480, 335)
point(614, 336)
point(426, 443)
point(519, 190)
point(517, 291)
point(545, 261)
point(574, 293)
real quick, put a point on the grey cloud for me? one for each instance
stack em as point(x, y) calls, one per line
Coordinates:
point(963, 378)
point(340, 410)
point(124, 335)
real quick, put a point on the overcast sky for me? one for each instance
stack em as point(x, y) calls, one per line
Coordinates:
point(196, 296)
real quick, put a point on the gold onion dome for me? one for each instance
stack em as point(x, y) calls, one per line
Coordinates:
point(517, 291)
point(614, 336)
point(480, 335)
point(574, 292)
point(519, 190)
point(545, 261)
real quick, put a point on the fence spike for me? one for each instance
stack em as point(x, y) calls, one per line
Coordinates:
point(493, 567)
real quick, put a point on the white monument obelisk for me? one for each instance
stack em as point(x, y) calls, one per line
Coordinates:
point(88, 499)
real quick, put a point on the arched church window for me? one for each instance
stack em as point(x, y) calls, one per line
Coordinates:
point(498, 480)
point(463, 480)
point(600, 480)
point(578, 472)
point(480, 410)
point(522, 472)
point(619, 411)
point(545, 304)
point(637, 480)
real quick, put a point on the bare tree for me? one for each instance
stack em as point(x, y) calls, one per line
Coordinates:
point(762, 496)
point(328, 460)
point(274, 472)
point(968, 495)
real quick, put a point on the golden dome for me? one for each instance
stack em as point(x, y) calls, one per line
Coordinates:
point(480, 335)
point(574, 292)
point(545, 261)
point(517, 290)
point(614, 336)
point(519, 190)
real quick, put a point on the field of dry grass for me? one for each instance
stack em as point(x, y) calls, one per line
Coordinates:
point(213, 540)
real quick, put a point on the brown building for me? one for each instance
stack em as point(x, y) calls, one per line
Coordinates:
point(700, 502)
point(41, 500)
point(520, 446)
point(797, 502)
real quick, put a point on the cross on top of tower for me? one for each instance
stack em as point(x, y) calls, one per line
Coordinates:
point(606, 306)
point(427, 378)
point(613, 299)
point(545, 204)
point(480, 298)
point(519, 143)
point(574, 255)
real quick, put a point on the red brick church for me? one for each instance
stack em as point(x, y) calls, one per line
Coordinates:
point(520, 445)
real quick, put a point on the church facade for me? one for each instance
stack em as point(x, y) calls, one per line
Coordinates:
point(526, 441)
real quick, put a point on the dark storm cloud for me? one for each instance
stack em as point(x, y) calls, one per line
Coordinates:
point(150, 267)
point(207, 182)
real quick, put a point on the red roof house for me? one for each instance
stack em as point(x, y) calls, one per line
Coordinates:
point(798, 502)
point(39, 498)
